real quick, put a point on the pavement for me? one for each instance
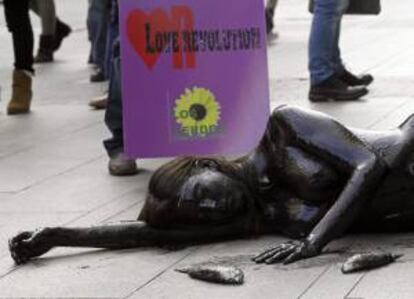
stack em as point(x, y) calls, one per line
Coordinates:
point(53, 171)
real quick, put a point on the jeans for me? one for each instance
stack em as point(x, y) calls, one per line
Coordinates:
point(98, 20)
point(113, 114)
point(112, 36)
point(18, 22)
point(324, 53)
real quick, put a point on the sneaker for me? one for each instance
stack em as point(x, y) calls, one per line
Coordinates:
point(121, 165)
point(99, 103)
point(336, 90)
point(354, 80)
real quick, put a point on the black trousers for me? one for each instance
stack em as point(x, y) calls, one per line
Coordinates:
point(18, 22)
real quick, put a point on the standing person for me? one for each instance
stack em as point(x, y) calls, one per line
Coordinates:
point(119, 163)
point(18, 23)
point(53, 30)
point(329, 78)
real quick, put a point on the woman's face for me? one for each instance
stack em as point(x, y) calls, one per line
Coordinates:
point(209, 196)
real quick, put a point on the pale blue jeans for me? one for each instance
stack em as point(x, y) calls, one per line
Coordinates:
point(324, 53)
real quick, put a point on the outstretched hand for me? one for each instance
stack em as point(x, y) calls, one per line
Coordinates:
point(287, 253)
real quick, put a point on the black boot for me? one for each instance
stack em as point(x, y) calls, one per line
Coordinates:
point(354, 80)
point(336, 90)
point(62, 31)
point(45, 52)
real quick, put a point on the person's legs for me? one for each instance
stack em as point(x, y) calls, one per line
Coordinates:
point(91, 27)
point(119, 164)
point(324, 38)
point(46, 10)
point(112, 36)
point(113, 115)
point(340, 69)
point(18, 22)
point(271, 4)
point(324, 54)
point(337, 62)
point(99, 16)
point(53, 30)
point(270, 12)
point(113, 33)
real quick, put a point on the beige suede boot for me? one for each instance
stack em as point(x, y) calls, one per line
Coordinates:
point(21, 93)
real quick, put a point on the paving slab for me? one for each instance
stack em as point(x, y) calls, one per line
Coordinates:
point(261, 281)
point(393, 282)
point(13, 223)
point(92, 274)
point(48, 123)
point(332, 284)
point(90, 268)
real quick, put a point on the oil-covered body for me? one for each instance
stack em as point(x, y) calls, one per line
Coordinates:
point(310, 178)
point(308, 184)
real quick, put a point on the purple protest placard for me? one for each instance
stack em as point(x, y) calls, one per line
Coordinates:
point(194, 76)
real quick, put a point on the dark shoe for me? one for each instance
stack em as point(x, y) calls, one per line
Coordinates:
point(45, 52)
point(336, 90)
point(98, 76)
point(99, 103)
point(353, 80)
point(121, 165)
point(62, 31)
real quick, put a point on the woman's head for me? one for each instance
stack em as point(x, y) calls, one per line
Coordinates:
point(195, 191)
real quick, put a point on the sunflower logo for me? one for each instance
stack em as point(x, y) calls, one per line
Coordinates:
point(197, 112)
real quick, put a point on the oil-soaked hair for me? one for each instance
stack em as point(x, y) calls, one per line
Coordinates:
point(165, 185)
point(169, 178)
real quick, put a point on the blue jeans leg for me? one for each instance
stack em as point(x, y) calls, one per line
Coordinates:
point(338, 64)
point(112, 36)
point(113, 114)
point(98, 20)
point(324, 52)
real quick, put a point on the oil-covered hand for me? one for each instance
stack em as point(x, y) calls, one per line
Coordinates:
point(27, 245)
point(287, 253)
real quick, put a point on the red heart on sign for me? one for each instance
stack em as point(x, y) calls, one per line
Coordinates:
point(136, 30)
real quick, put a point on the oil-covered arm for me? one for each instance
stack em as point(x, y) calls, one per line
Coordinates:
point(30, 244)
point(328, 140)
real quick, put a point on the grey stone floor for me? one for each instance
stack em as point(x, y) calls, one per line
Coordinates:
point(53, 172)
